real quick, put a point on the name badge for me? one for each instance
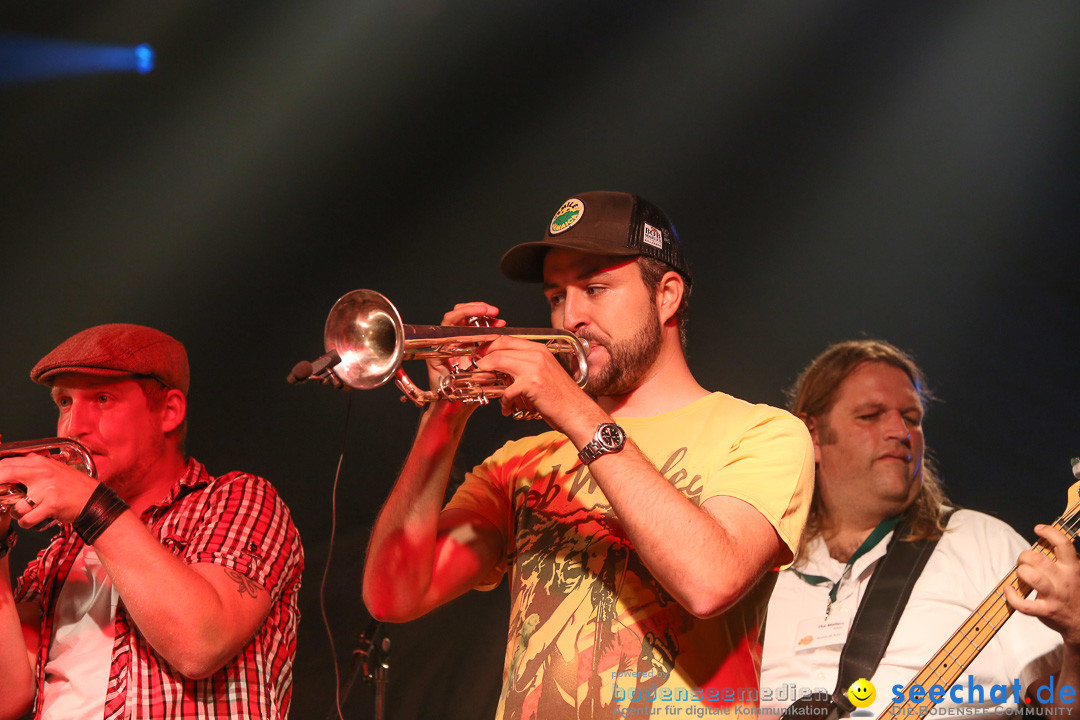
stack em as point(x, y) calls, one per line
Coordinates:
point(814, 633)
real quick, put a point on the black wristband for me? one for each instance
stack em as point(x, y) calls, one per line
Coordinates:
point(103, 507)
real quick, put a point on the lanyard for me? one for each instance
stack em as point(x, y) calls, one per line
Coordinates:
point(883, 528)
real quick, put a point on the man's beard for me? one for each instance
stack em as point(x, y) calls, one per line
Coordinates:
point(129, 479)
point(628, 361)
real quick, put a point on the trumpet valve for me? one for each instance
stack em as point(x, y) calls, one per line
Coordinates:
point(480, 321)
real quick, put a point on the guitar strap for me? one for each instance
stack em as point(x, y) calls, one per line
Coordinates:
point(875, 620)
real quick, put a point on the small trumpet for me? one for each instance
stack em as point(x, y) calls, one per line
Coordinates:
point(366, 344)
point(65, 450)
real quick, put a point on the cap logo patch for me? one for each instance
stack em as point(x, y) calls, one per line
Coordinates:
point(652, 236)
point(570, 212)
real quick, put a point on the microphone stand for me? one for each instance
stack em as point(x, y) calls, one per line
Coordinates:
point(369, 662)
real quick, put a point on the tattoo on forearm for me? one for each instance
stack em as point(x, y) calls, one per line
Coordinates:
point(247, 586)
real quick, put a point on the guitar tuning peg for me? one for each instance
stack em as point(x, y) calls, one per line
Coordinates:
point(1076, 467)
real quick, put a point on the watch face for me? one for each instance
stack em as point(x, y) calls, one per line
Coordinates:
point(611, 436)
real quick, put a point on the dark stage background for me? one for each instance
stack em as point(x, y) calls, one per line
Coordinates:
point(836, 169)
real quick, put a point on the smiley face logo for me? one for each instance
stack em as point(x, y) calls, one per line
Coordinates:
point(861, 693)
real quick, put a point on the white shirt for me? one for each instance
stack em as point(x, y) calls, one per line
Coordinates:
point(77, 668)
point(802, 652)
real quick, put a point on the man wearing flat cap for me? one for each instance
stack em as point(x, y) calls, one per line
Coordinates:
point(166, 592)
point(642, 532)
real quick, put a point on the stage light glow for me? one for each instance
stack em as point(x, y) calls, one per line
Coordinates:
point(144, 58)
point(26, 58)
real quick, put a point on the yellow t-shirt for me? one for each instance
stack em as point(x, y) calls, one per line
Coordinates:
point(592, 632)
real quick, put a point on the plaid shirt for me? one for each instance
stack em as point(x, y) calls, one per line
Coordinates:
point(236, 521)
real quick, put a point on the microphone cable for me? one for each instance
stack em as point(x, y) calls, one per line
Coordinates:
point(329, 556)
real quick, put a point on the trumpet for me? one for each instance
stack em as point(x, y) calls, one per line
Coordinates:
point(65, 450)
point(366, 344)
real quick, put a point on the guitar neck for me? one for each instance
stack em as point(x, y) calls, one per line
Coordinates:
point(965, 644)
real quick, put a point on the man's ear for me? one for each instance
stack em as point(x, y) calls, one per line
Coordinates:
point(669, 295)
point(814, 427)
point(174, 411)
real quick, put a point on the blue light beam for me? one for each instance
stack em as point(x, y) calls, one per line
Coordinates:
point(26, 58)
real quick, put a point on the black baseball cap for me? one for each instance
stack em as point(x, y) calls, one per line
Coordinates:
point(604, 223)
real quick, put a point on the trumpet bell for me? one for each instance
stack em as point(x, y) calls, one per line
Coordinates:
point(366, 331)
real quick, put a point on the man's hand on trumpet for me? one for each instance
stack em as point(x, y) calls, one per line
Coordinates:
point(541, 384)
point(54, 490)
point(541, 387)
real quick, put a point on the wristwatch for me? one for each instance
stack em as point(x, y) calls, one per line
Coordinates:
point(609, 438)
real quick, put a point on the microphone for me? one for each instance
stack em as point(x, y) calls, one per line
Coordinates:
point(321, 369)
point(300, 372)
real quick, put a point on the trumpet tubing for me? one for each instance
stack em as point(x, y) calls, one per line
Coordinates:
point(365, 330)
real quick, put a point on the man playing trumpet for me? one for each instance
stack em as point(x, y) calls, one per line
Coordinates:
point(642, 534)
point(166, 592)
